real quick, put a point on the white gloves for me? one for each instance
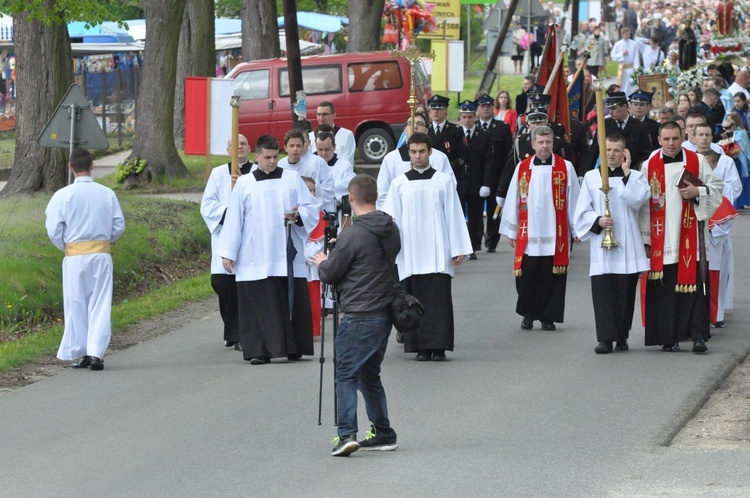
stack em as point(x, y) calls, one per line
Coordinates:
point(500, 201)
point(484, 192)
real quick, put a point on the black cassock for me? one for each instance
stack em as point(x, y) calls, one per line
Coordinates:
point(541, 293)
point(614, 301)
point(434, 292)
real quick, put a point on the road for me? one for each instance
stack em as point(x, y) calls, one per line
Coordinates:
point(513, 413)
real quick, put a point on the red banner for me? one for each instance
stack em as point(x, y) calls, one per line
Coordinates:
point(196, 115)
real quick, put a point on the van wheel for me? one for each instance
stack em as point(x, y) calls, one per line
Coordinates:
point(374, 144)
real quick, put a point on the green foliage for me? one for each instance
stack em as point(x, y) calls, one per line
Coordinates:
point(129, 167)
point(231, 8)
point(91, 11)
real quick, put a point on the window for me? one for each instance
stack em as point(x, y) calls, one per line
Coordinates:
point(315, 80)
point(374, 76)
point(252, 84)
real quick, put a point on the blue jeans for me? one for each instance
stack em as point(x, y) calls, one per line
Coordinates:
point(360, 349)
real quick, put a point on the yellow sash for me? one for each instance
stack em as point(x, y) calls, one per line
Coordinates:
point(620, 68)
point(86, 247)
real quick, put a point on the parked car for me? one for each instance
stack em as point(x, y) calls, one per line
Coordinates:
point(369, 90)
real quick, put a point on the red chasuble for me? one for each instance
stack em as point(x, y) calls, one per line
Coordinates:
point(561, 258)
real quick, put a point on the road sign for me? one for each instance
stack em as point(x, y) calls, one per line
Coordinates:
point(73, 125)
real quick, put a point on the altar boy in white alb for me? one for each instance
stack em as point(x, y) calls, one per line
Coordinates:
point(614, 271)
point(434, 238)
point(275, 316)
point(83, 219)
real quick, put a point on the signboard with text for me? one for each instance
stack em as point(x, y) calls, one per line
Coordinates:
point(448, 18)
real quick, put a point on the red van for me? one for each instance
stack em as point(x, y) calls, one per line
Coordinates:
point(369, 90)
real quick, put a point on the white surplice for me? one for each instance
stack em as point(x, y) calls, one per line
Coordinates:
point(704, 208)
point(394, 165)
point(213, 204)
point(631, 58)
point(254, 234)
point(342, 173)
point(81, 212)
point(625, 199)
point(432, 224)
point(314, 167)
point(542, 221)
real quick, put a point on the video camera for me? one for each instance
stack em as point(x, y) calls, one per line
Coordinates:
point(331, 230)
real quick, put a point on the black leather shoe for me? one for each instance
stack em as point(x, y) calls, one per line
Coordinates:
point(438, 355)
point(491, 249)
point(669, 348)
point(424, 356)
point(260, 360)
point(527, 323)
point(622, 345)
point(718, 325)
point(699, 346)
point(229, 344)
point(237, 346)
point(84, 363)
point(548, 325)
point(399, 337)
point(604, 347)
point(293, 357)
point(472, 257)
point(96, 363)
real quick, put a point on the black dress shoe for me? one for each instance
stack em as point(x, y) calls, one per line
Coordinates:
point(472, 257)
point(260, 360)
point(718, 325)
point(293, 357)
point(399, 337)
point(229, 344)
point(424, 356)
point(548, 325)
point(604, 347)
point(96, 363)
point(491, 249)
point(622, 345)
point(438, 355)
point(237, 346)
point(84, 363)
point(699, 346)
point(669, 348)
point(527, 323)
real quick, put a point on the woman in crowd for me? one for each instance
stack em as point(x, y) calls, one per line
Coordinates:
point(741, 108)
point(504, 110)
point(736, 144)
point(695, 95)
point(683, 97)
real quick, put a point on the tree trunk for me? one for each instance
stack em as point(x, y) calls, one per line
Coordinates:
point(196, 56)
point(364, 25)
point(260, 30)
point(154, 112)
point(43, 75)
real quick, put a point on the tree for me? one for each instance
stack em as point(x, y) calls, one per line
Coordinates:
point(43, 74)
point(260, 30)
point(364, 25)
point(154, 111)
point(196, 56)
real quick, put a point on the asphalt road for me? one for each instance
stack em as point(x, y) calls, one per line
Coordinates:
point(513, 413)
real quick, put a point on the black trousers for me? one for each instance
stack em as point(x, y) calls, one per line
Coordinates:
point(225, 287)
point(473, 207)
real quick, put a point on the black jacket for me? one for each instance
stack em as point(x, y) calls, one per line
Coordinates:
point(357, 265)
point(474, 168)
point(637, 141)
point(448, 140)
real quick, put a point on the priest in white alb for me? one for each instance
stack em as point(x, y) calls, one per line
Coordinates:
point(538, 221)
point(434, 238)
point(614, 271)
point(266, 209)
point(673, 226)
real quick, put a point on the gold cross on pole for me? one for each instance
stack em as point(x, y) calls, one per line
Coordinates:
point(412, 55)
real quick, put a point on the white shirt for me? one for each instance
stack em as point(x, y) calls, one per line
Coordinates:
point(734, 89)
point(394, 165)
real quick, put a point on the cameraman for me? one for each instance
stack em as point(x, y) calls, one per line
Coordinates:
point(362, 268)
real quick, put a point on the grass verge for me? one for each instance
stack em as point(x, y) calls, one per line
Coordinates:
point(152, 304)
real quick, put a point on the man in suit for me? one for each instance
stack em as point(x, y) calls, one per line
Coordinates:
point(637, 140)
point(501, 140)
point(640, 107)
point(473, 172)
point(445, 135)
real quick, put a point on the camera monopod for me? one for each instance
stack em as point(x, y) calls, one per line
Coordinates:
point(328, 244)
